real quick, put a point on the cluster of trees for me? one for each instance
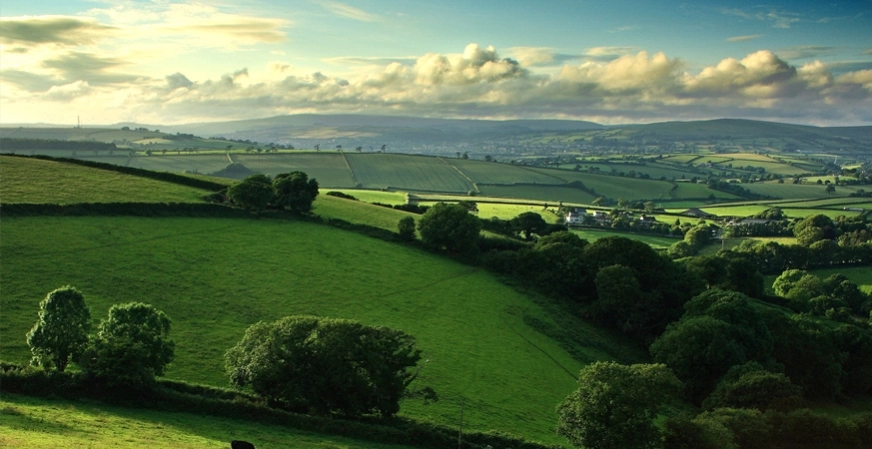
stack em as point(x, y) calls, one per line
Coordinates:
point(319, 365)
point(288, 191)
point(130, 348)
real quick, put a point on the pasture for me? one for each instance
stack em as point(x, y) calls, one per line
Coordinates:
point(417, 173)
point(27, 180)
point(36, 423)
point(214, 277)
point(655, 241)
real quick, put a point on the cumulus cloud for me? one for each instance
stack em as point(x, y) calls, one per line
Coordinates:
point(745, 38)
point(533, 56)
point(605, 54)
point(480, 83)
point(60, 30)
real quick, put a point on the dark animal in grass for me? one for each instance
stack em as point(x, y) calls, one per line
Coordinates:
point(239, 444)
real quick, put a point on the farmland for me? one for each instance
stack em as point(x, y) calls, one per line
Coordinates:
point(61, 183)
point(33, 423)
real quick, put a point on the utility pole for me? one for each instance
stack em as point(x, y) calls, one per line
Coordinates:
point(460, 434)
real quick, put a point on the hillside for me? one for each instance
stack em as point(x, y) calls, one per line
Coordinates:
point(35, 423)
point(486, 343)
point(28, 180)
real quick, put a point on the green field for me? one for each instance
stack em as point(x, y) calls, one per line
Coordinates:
point(796, 191)
point(35, 423)
point(358, 212)
point(26, 180)
point(497, 173)
point(374, 196)
point(329, 169)
point(656, 242)
point(214, 277)
point(420, 173)
point(201, 163)
point(539, 193)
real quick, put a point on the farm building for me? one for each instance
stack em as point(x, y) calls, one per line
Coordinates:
point(575, 217)
point(694, 212)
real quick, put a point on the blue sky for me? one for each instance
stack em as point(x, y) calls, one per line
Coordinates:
point(623, 61)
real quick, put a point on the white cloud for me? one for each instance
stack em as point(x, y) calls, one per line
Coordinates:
point(745, 38)
point(475, 83)
point(349, 12)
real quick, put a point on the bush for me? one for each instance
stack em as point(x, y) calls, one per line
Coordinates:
point(323, 365)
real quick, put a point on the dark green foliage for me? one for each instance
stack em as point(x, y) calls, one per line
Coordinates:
point(803, 428)
point(325, 365)
point(61, 333)
point(406, 228)
point(450, 227)
point(528, 224)
point(806, 349)
point(618, 293)
point(683, 432)
point(711, 269)
point(743, 276)
point(719, 330)
point(615, 406)
point(253, 193)
point(131, 348)
point(750, 386)
point(342, 195)
point(295, 191)
point(666, 286)
point(748, 428)
point(814, 228)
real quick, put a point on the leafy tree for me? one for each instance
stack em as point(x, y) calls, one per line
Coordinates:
point(751, 386)
point(719, 330)
point(450, 227)
point(61, 333)
point(615, 406)
point(618, 294)
point(324, 365)
point(295, 191)
point(527, 224)
point(253, 193)
point(132, 346)
point(406, 228)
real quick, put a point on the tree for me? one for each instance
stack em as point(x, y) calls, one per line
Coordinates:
point(295, 191)
point(253, 193)
point(450, 227)
point(751, 386)
point(322, 365)
point(132, 347)
point(406, 228)
point(527, 224)
point(615, 406)
point(61, 332)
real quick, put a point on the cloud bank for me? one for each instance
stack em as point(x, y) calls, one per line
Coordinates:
point(54, 65)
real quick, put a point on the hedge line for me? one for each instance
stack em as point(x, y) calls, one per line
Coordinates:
point(189, 398)
point(157, 175)
point(132, 209)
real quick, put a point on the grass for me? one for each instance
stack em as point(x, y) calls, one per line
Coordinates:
point(796, 191)
point(862, 276)
point(39, 181)
point(215, 277)
point(329, 169)
point(202, 163)
point(654, 241)
point(373, 196)
point(35, 423)
point(539, 193)
point(509, 211)
point(359, 213)
point(420, 173)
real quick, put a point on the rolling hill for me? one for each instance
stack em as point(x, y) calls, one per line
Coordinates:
point(487, 345)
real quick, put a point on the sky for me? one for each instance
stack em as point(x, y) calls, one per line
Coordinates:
point(616, 62)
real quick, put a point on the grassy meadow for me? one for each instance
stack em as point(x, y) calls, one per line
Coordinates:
point(214, 277)
point(58, 182)
point(36, 423)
